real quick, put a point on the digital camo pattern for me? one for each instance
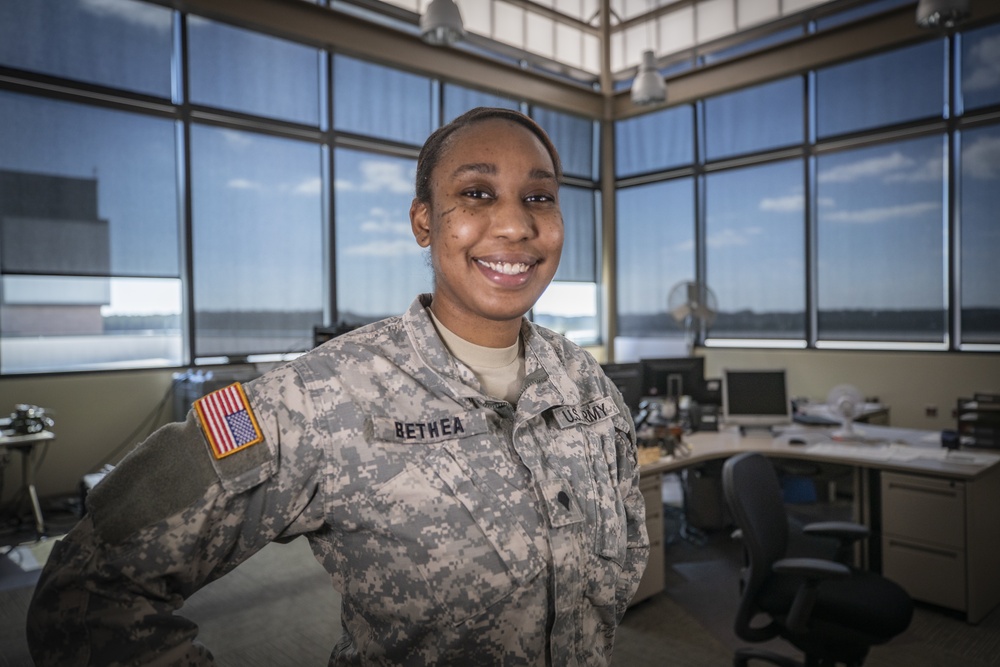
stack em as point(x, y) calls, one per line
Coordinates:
point(459, 529)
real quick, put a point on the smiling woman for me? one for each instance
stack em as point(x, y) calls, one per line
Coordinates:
point(441, 462)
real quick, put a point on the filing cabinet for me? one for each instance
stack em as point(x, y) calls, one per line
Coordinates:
point(924, 537)
point(653, 579)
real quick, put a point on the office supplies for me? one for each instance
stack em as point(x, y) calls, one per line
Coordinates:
point(755, 398)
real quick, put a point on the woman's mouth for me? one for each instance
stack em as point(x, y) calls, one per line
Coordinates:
point(506, 268)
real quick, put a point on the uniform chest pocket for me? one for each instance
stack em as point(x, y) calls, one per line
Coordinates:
point(457, 533)
point(608, 468)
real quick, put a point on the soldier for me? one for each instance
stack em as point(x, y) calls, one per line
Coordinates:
point(468, 479)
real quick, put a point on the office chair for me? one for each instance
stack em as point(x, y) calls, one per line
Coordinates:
point(831, 612)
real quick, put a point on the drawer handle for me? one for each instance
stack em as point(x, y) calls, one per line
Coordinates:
point(923, 489)
point(915, 547)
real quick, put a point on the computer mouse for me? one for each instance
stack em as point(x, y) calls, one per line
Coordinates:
point(796, 441)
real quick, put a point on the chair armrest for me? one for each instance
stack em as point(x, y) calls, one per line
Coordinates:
point(845, 531)
point(814, 570)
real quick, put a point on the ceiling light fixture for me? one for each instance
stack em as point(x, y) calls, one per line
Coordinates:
point(648, 86)
point(441, 23)
point(942, 13)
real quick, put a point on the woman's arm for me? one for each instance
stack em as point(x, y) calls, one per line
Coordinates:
point(168, 520)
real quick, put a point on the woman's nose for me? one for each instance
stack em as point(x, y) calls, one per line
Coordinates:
point(513, 221)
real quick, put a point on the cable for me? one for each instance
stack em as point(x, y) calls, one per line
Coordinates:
point(145, 424)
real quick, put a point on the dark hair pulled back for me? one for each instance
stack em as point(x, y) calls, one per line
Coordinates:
point(437, 143)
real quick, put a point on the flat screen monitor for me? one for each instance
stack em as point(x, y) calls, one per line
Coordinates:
point(673, 377)
point(755, 398)
point(628, 379)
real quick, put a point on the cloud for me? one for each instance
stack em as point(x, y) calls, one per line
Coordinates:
point(869, 216)
point(877, 167)
point(398, 248)
point(981, 158)
point(982, 65)
point(928, 171)
point(386, 227)
point(787, 204)
point(243, 184)
point(136, 13)
point(733, 237)
point(310, 186)
point(380, 176)
point(235, 138)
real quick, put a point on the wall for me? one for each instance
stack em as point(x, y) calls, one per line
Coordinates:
point(907, 382)
point(96, 413)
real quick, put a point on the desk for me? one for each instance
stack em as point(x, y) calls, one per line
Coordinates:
point(931, 513)
point(26, 446)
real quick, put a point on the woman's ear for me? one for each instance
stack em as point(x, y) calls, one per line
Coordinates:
point(420, 222)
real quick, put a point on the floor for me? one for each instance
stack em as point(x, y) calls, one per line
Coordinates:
point(278, 609)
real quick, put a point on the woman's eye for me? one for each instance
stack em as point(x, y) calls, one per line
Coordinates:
point(540, 198)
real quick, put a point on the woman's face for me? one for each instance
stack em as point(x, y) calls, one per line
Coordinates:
point(494, 228)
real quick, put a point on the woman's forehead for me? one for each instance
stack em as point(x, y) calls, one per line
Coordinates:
point(495, 138)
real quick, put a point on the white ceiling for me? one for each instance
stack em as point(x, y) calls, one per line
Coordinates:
point(568, 31)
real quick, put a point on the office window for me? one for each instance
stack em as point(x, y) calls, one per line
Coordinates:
point(459, 99)
point(654, 141)
point(880, 240)
point(380, 102)
point(755, 222)
point(116, 43)
point(569, 305)
point(257, 242)
point(895, 87)
point(89, 246)
point(655, 251)
point(980, 84)
point(980, 235)
point(253, 73)
point(379, 266)
point(573, 137)
point(755, 119)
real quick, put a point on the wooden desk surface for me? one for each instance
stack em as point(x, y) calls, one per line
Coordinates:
point(884, 448)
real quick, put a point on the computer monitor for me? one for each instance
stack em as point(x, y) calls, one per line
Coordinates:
point(628, 379)
point(673, 377)
point(756, 398)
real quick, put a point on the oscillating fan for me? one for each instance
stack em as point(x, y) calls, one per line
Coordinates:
point(846, 403)
point(693, 306)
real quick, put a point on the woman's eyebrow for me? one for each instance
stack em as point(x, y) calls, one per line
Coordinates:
point(491, 169)
point(475, 168)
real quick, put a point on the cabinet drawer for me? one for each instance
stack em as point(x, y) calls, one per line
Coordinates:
point(926, 509)
point(654, 578)
point(928, 573)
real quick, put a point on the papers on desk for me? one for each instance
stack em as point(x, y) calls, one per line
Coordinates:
point(898, 452)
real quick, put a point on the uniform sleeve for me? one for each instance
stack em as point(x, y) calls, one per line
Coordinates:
point(637, 539)
point(169, 519)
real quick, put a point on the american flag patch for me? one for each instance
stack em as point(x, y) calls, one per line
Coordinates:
point(228, 421)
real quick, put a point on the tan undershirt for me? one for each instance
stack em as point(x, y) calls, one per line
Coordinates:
point(500, 370)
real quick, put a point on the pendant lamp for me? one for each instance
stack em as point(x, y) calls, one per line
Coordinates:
point(441, 23)
point(648, 86)
point(942, 13)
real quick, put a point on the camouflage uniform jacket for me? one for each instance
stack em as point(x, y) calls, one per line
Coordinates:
point(459, 529)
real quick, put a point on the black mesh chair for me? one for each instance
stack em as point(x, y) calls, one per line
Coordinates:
point(830, 611)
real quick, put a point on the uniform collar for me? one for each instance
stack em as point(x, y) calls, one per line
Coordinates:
point(548, 384)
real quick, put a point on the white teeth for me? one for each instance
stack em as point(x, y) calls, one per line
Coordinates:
point(506, 267)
